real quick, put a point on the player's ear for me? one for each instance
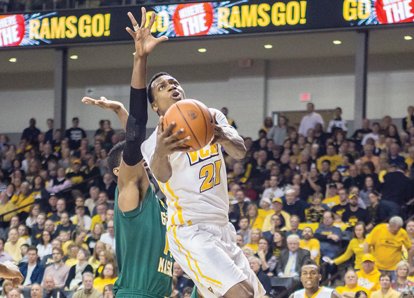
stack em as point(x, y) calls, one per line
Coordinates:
point(154, 107)
point(116, 171)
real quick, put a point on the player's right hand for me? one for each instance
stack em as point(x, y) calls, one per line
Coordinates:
point(168, 141)
point(104, 103)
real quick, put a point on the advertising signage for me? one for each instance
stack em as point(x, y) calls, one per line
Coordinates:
point(195, 20)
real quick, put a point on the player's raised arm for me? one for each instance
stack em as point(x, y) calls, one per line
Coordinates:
point(132, 179)
point(228, 137)
point(117, 107)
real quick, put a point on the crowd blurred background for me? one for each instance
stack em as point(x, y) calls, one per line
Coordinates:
point(316, 191)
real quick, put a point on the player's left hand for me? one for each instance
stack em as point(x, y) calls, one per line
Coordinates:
point(10, 271)
point(141, 34)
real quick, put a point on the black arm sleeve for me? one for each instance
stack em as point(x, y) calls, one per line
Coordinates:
point(136, 126)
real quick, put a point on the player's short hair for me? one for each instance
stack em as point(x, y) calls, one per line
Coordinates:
point(154, 77)
point(310, 263)
point(114, 156)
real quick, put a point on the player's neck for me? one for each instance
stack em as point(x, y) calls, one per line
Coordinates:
point(310, 292)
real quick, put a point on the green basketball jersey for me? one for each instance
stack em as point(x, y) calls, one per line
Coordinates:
point(144, 261)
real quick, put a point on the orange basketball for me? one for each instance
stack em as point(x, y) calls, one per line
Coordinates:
point(196, 120)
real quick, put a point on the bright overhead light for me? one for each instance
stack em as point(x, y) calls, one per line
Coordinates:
point(408, 37)
point(202, 50)
point(337, 42)
point(13, 60)
point(74, 57)
point(268, 46)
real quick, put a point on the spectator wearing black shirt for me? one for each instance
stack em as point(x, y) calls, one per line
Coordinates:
point(31, 133)
point(360, 133)
point(408, 121)
point(380, 211)
point(49, 133)
point(75, 134)
point(353, 213)
point(396, 187)
point(293, 205)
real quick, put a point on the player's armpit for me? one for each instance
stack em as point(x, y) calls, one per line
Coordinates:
point(133, 183)
point(232, 142)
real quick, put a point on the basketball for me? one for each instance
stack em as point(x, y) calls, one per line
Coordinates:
point(196, 120)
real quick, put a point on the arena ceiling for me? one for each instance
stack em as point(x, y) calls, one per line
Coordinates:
point(286, 46)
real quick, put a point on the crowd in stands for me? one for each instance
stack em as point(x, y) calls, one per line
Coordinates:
point(312, 192)
point(37, 5)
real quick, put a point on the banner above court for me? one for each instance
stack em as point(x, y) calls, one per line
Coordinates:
point(197, 20)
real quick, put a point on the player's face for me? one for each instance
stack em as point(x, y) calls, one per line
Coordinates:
point(166, 91)
point(310, 277)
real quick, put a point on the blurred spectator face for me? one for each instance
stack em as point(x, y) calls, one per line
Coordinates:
point(294, 222)
point(36, 291)
point(327, 219)
point(393, 228)
point(394, 149)
point(293, 244)
point(88, 282)
point(402, 270)
point(376, 128)
point(57, 256)
point(101, 209)
point(326, 167)
point(56, 243)
point(277, 206)
point(330, 150)
point(108, 271)
point(60, 205)
point(61, 173)
point(52, 201)
point(254, 264)
point(64, 218)
point(49, 283)
point(252, 211)
point(351, 279)
point(353, 201)
point(410, 227)
point(13, 235)
point(290, 196)
point(177, 270)
point(64, 236)
point(111, 228)
point(25, 188)
point(273, 181)
point(368, 266)
point(239, 240)
point(14, 222)
point(307, 233)
point(109, 215)
point(263, 245)
point(14, 293)
point(239, 196)
point(102, 198)
point(94, 192)
point(49, 226)
point(385, 282)
point(32, 256)
point(81, 256)
point(373, 198)
point(40, 219)
point(238, 169)
point(310, 107)
point(255, 236)
point(275, 219)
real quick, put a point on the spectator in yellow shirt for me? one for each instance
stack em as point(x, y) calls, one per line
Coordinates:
point(386, 291)
point(12, 246)
point(355, 247)
point(255, 220)
point(351, 285)
point(277, 206)
point(311, 244)
point(332, 198)
point(368, 276)
point(331, 155)
point(387, 242)
point(255, 236)
point(107, 277)
point(25, 197)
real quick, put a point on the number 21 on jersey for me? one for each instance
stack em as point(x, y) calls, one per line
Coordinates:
point(210, 174)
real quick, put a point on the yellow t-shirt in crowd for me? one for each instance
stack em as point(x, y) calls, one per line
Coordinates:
point(387, 248)
point(313, 246)
point(252, 246)
point(14, 249)
point(332, 201)
point(336, 160)
point(267, 224)
point(370, 280)
point(21, 200)
point(99, 283)
point(390, 294)
point(345, 289)
point(355, 247)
